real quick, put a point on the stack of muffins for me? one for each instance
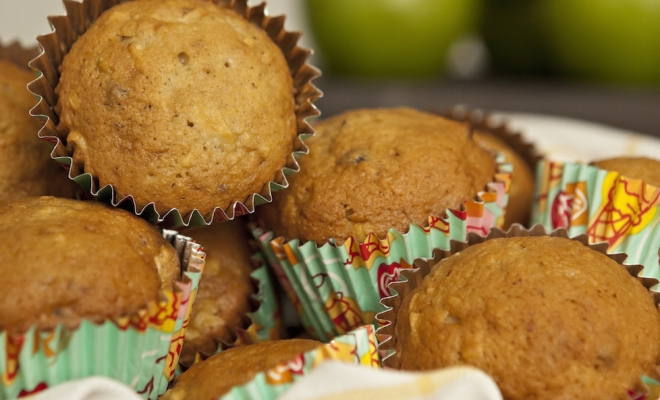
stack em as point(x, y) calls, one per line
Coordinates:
point(189, 114)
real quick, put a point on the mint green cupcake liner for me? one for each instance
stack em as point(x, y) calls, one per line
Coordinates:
point(605, 206)
point(412, 279)
point(336, 288)
point(80, 16)
point(139, 350)
point(358, 347)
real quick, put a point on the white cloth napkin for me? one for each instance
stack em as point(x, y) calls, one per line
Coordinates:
point(333, 380)
point(95, 388)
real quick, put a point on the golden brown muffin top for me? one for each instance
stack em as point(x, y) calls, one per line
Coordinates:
point(217, 375)
point(521, 192)
point(646, 169)
point(67, 260)
point(223, 298)
point(26, 168)
point(181, 102)
point(371, 170)
point(547, 318)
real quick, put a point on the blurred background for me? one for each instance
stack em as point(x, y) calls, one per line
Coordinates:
point(597, 60)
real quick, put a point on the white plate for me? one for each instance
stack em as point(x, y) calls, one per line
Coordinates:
point(565, 139)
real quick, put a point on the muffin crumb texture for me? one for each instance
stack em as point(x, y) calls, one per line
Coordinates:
point(225, 289)
point(26, 168)
point(179, 102)
point(216, 376)
point(375, 169)
point(643, 168)
point(65, 260)
point(547, 318)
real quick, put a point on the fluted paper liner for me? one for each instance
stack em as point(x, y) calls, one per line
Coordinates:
point(422, 267)
point(485, 121)
point(140, 350)
point(80, 16)
point(604, 205)
point(260, 324)
point(338, 287)
point(358, 347)
point(500, 129)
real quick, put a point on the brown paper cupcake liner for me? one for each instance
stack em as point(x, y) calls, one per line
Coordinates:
point(80, 16)
point(261, 323)
point(422, 267)
point(483, 121)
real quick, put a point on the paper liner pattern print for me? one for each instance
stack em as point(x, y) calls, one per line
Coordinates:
point(140, 350)
point(359, 347)
point(649, 389)
point(605, 205)
point(80, 15)
point(337, 288)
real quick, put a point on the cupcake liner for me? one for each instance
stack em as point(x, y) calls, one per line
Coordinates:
point(518, 210)
point(422, 267)
point(481, 120)
point(359, 347)
point(263, 323)
point(80, 16)
point(17, 54)
point(140, 350)
point(605, 206)
point(337, 288)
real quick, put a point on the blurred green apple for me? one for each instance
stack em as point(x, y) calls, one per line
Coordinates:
point(614, 41)
point(389, 38)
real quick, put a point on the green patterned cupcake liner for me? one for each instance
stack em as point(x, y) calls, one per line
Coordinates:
point(139, 350)
point(648, 388)
point(358, 347)
point(80, 16)
point(605, 206)
point(336, 288)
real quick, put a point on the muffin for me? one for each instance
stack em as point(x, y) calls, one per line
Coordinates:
point(225, 290)
point(546, 317)
point(216, 376)
point(643, 168)
point(92, 261)
point(186, 104)
point(372, 170)
point(521, 192)
point(26, 168)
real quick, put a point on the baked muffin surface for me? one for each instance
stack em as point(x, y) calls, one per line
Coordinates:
point(26, 168)
point(223, 297)
point(547, 318)
point(644, 168)
point(67, 260)
point(217, 375)
point(371, 170)
point(180, 102)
